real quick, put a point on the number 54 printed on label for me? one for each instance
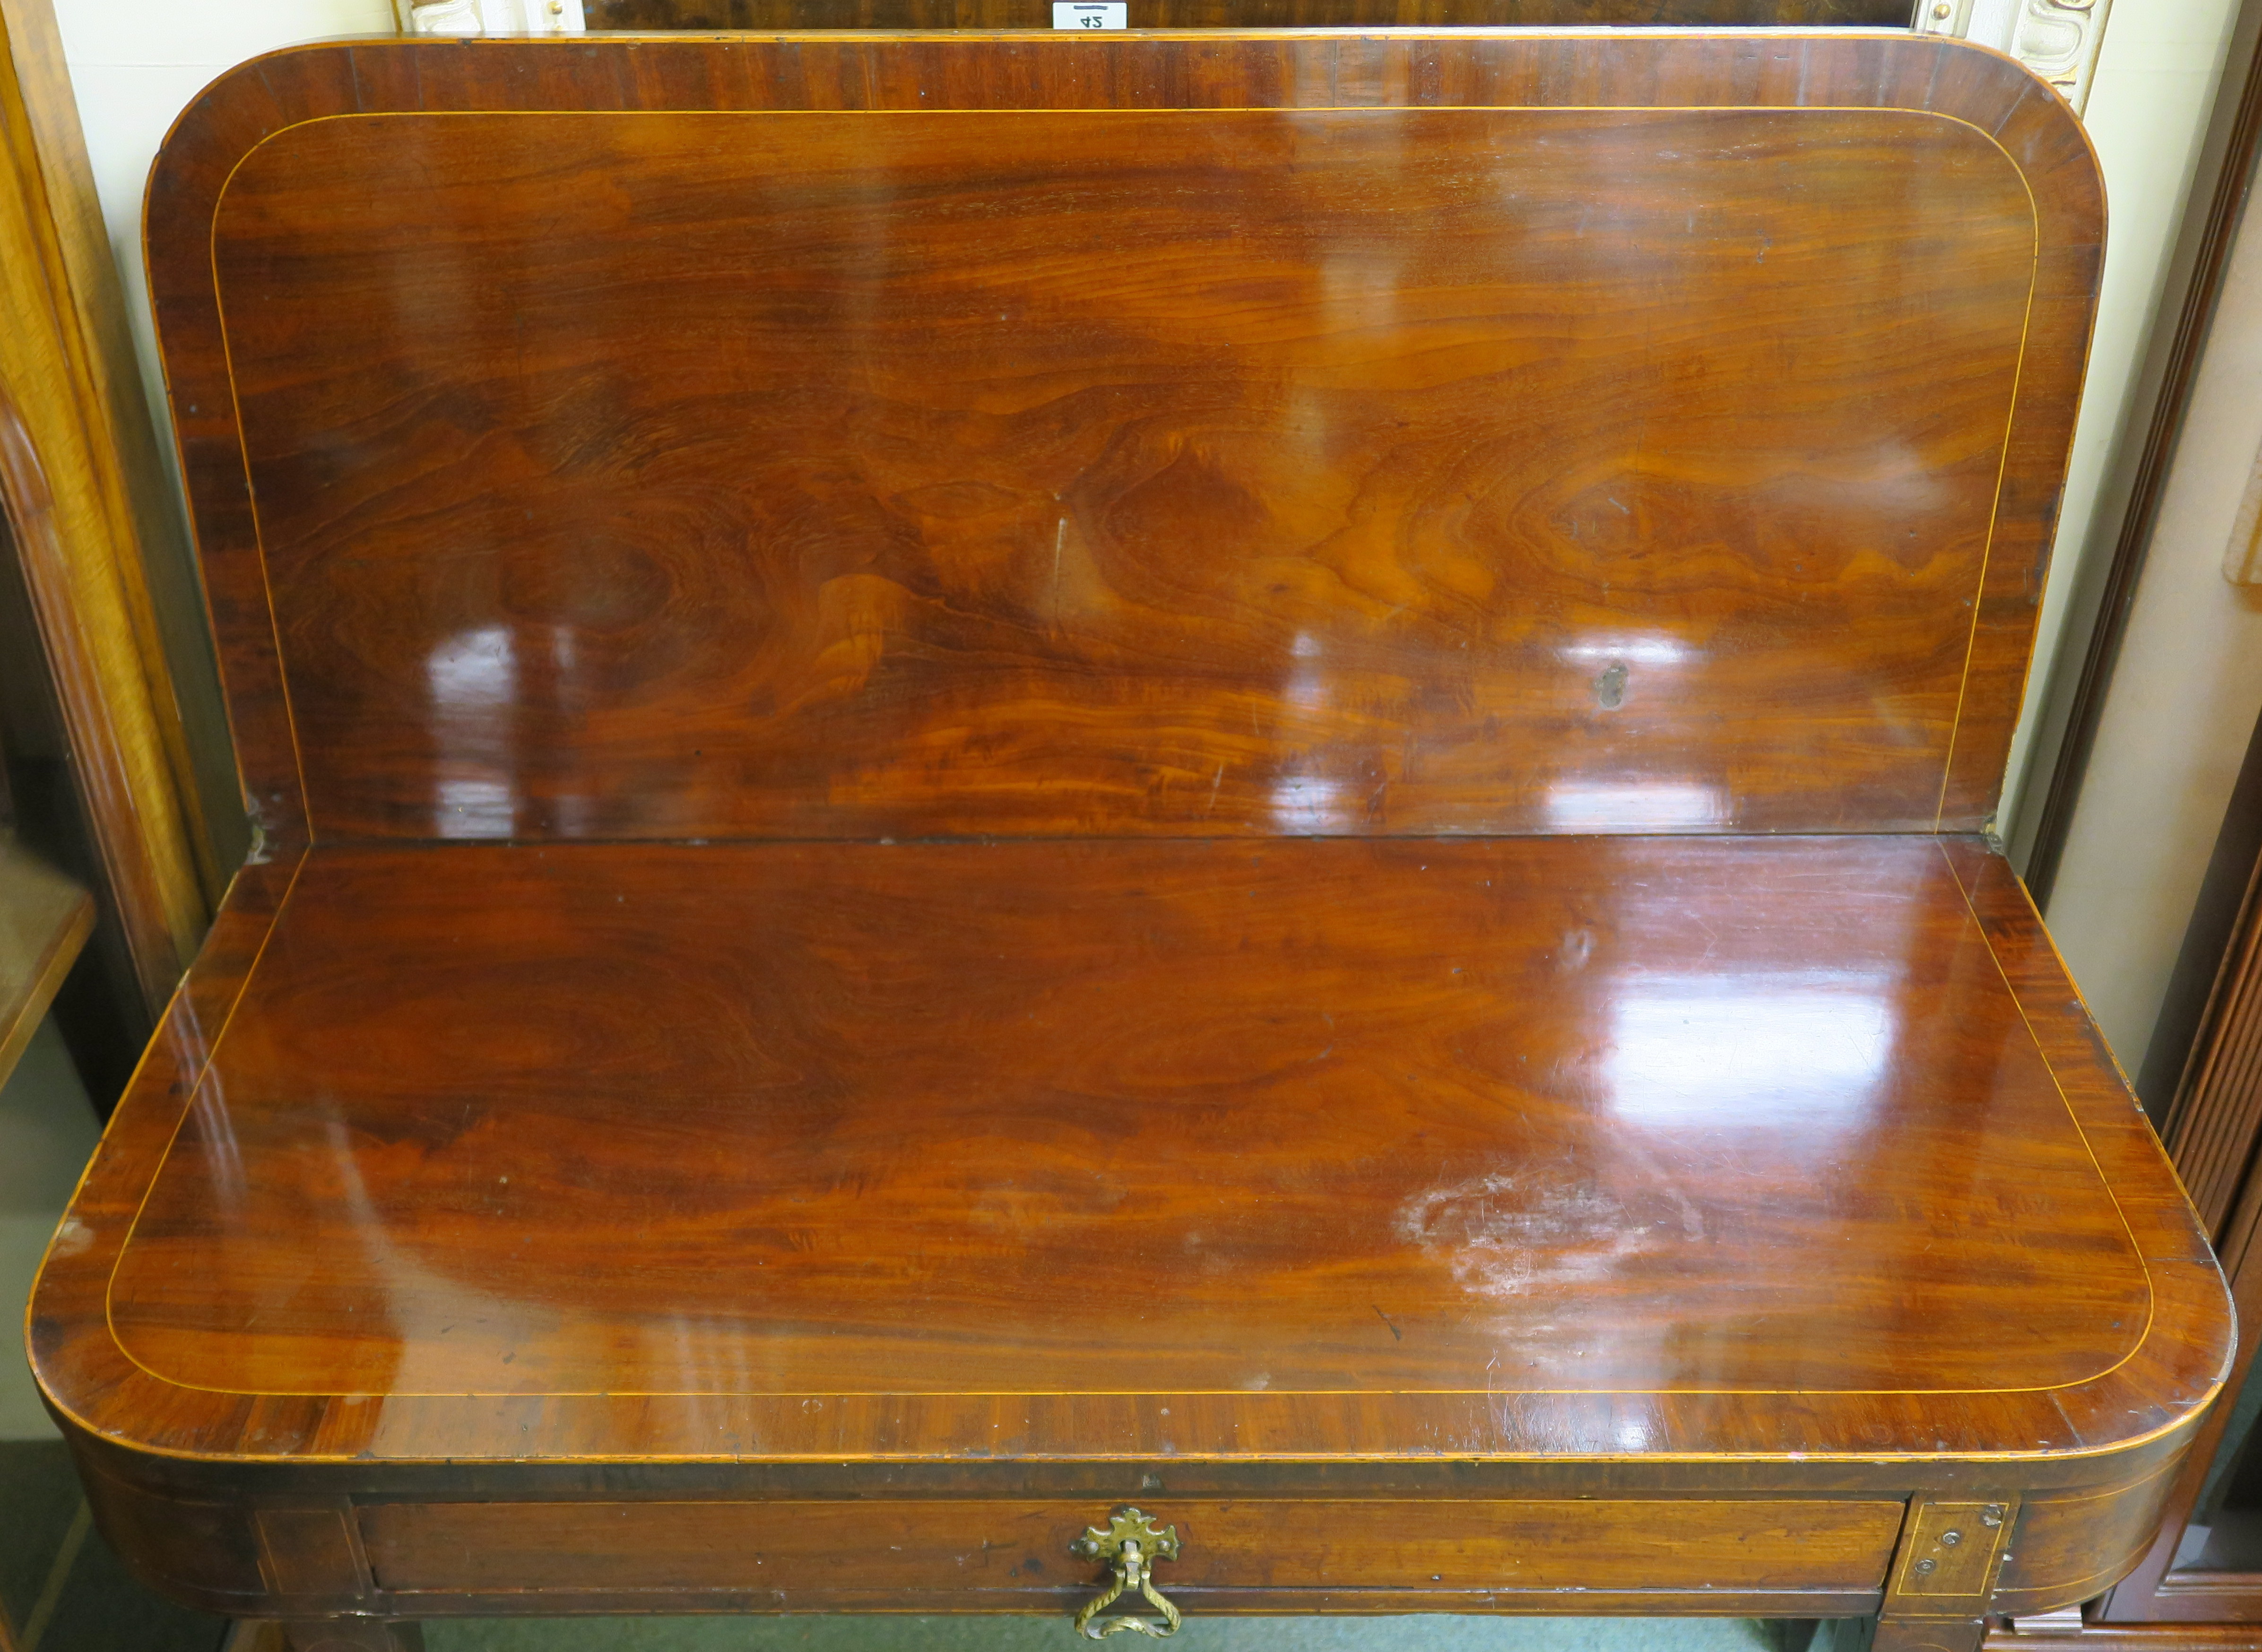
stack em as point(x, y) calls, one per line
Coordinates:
point(1092, 14)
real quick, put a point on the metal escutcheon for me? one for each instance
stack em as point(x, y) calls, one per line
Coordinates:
point(1129, 1545)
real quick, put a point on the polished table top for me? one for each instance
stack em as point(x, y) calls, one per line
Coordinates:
point(600, 447)
point(1125, 438)
point(1514, 1146)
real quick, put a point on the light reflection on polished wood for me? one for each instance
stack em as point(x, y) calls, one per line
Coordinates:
point(1205, 489)
point(1505, 1117)
point(1370, 497)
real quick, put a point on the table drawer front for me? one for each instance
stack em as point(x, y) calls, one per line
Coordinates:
point(1269, 1544)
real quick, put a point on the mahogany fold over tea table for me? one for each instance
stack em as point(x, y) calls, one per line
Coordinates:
point(1009, 778)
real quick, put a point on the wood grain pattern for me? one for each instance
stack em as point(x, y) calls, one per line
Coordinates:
point(1171, 1142)
point(1296, 519)
point(2078, 1557)
point(1005, 1550)
point(76, 508)
point(155, 567)
point(310, 1551)
point(1320, 493)
point(2218, 1108)
point(1938, 1589)
point(1203, 489)
point(2107, 1447)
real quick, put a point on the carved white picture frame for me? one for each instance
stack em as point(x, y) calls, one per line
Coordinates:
point(2056, 39)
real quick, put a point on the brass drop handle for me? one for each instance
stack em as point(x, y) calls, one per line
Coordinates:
point(1129, 1546)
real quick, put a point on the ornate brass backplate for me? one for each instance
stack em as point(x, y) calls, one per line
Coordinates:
point(1129, 1545)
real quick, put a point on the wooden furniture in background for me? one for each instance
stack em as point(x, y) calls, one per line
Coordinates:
point(2199, 1585)
point(2214, 1121)
point(1246, 14)
point(1010, 776)
point(2059, 39)
point(84, 499)
point(45, 916)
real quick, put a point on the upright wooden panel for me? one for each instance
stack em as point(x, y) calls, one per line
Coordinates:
point(76, 508)
point(993, 456)
point(2218, 1108)
point(649, 15)
point(149, 540)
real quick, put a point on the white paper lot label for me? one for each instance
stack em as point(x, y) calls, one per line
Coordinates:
point(1092, 14)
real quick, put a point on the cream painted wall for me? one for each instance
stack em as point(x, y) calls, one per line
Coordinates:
point(134, 65)
point(2148, 111)
point(2183, 702)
